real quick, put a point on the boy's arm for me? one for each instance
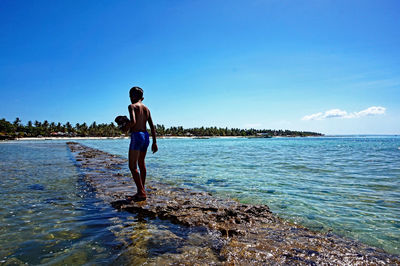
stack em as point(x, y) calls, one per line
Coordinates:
point(154, 147)
point(132, 117)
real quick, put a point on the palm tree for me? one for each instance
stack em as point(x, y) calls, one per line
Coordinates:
point(68, 126)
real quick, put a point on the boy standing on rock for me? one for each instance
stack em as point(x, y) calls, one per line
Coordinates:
point(139, 116)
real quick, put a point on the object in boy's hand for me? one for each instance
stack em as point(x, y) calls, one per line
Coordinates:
point(122, 122)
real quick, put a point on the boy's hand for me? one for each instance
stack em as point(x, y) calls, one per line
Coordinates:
point(154, 148)
point(125, 127)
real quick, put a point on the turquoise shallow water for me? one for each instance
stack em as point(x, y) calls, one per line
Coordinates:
point(47, 215)
point(349, 185)
point(50, 216)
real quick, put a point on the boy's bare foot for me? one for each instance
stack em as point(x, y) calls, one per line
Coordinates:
point(136, 197)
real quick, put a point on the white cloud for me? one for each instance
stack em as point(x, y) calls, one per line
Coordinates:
point(337, 113)
point(317, 116)
point(373, 110)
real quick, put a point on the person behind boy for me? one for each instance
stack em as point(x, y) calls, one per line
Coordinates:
point(139, 115)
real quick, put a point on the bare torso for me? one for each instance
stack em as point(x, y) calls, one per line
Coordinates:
point(140, 114)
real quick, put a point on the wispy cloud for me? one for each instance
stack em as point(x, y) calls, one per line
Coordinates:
point(374, 110)
point(337, 113)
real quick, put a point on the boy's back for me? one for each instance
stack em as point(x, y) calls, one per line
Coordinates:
point(140, 115)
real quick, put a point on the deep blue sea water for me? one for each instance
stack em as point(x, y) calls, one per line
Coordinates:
point(347, 185)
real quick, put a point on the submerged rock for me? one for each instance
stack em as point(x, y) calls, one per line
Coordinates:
point(250, 234)
point(36, 187)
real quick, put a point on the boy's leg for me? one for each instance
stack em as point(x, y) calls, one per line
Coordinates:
point(133, 162)
point(142, 167)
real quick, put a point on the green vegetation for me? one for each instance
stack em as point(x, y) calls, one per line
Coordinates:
point(16, 129)
point(50, 129)
point(214, 131)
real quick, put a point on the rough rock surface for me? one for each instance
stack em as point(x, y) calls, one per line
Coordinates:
point(250, 234)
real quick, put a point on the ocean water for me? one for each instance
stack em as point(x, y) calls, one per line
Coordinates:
point(47, 214)
point(50, 216)
point(347, 185)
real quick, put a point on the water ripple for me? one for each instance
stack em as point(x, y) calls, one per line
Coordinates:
point(349, 185)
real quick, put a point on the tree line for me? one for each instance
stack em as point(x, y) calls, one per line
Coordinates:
point(218, 131)
point(48, 129)
point(16, 129)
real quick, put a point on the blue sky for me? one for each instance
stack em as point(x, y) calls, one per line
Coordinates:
point(317, 65)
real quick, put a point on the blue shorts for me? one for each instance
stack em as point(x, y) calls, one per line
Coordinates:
point(139, 141)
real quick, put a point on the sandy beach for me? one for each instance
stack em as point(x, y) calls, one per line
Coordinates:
point(126, 137)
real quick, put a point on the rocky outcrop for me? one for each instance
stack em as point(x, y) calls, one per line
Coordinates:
point(251, 234)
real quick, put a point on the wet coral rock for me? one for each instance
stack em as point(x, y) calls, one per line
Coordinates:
point(251, 234)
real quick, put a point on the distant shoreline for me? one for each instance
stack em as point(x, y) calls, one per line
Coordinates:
point(158, 137)
point(126, 137)
point(178, 137)
point(66, 138)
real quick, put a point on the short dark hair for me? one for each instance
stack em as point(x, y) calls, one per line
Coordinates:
point(136, 92)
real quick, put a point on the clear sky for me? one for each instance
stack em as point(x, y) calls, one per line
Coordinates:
point(317, 65)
